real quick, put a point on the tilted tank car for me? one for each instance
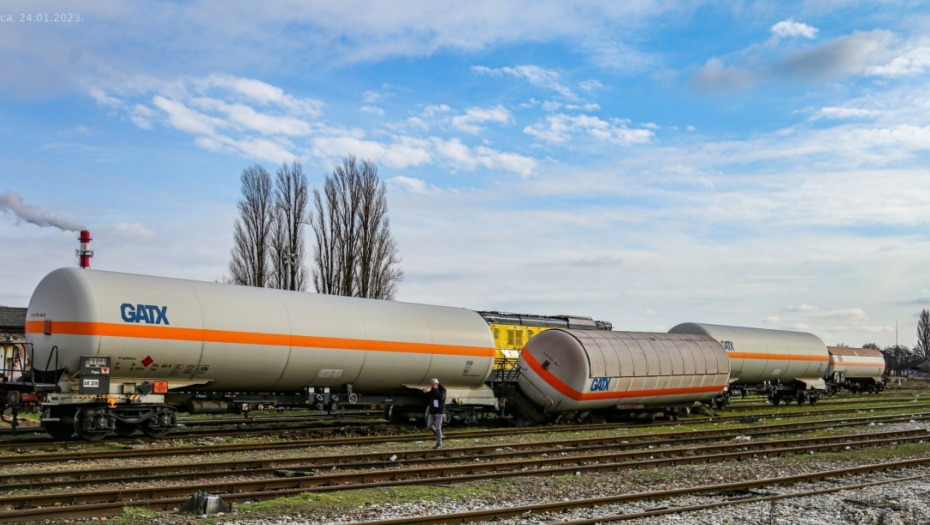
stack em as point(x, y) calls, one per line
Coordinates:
point(125, 352)
point(855, 369)
point(647, 373)
point(787, 366)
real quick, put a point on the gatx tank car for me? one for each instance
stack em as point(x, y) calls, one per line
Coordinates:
point(117, 352)
point(580, 371)
point(786, 366)
point(855, 369)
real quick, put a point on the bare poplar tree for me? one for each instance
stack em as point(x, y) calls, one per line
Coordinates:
point(355, 253)
point(327, 255)
point(251, 237)
point(290, 208)
point(923, 334)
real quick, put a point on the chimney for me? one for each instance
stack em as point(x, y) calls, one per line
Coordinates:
point(85, 253)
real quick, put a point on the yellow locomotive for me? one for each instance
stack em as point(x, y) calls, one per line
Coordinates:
point(512, 331)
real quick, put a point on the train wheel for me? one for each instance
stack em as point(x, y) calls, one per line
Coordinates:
point(58, 430)
point(125, 429)
point(80, 424)
point(158, 432)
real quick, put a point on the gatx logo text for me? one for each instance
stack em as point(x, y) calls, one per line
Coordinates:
point(144, 313)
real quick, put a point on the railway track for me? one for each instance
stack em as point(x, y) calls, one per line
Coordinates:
point(20, 457)
point(394, 459)
point(311, 426)
point(561, 506)
point(18, 451)
point(238, 421)
point(829, 402)
point(26, 507)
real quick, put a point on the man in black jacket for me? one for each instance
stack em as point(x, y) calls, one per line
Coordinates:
point(436, 395)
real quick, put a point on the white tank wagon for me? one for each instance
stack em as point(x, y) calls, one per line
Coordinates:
point(582, 370)
point(153, 337)
point(785, 365)
point(855, 369)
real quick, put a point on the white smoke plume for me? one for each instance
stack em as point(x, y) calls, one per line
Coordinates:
point(13, 202)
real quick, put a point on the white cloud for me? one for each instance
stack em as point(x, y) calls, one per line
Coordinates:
point(560, 128)
point(372, 97)
point(469, 122)
point(583, 107)
point(256, 148)
point(419, 123)
point(266, 94)
point(404, 153)
point(247, 118)
point(128, 231)
point(535, 75)
point(912, 62)
point(845, 112)
point(374, 110)
point(410, 184)
point(464, 157)
point(186, 119)
point(790, 28)
point(802, 308)
point(437, 109)
point(142, 115)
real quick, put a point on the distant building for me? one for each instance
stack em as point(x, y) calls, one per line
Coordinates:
point(12, 322)
point(924, 366)
point(12, 334)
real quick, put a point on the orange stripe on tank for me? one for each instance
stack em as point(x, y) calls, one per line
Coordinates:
point(571, 393)
point(777, 357)
point(171, 333)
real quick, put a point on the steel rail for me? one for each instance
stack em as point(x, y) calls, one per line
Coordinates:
point(221, 421)
point(253, 447)
point(33, 438)
point(844, 402)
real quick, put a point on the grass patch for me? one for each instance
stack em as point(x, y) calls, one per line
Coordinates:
point(901, 452)
point(132, 514)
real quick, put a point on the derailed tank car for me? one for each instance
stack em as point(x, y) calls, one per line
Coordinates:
point(584, 370)
point(787, 366)
point(127, 351)
point(855, 369)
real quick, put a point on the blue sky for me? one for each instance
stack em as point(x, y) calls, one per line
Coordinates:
point(648, 163)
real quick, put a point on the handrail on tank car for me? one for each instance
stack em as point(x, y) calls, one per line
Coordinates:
point(48, 361)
